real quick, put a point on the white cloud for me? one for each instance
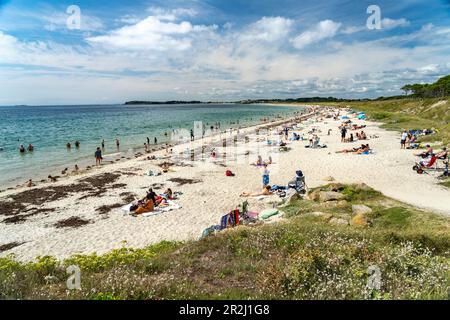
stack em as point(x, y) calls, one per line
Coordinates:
point(152, 33)
point(387, 23)
point(171, 14)
point(239, 62)
point(268, 29)
point(323, 30)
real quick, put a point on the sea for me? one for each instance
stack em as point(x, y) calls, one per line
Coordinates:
point(50, 128)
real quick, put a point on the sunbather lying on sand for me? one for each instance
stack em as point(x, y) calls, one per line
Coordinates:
point(265, 192)
point(359, 150)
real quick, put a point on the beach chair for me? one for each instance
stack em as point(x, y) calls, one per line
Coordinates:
point(420, 168)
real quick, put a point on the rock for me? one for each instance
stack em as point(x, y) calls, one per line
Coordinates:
point(314, 195)
point(359, 220)
point(294, 197)
point(329, 178)
point(363, 186)
point(338, 221)
point(336, 186)
point(325, 196)
point(361, 209)
point(323, 215)
point(341, 203)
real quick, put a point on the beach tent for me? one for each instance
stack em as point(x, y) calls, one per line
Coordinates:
point(344, 117)
point(362, 116)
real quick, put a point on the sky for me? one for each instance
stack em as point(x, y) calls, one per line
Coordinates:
point(217, 50)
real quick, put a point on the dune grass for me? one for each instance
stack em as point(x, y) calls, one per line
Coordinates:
point(302, 257)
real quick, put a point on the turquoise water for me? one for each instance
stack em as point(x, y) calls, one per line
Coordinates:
point(49, 128)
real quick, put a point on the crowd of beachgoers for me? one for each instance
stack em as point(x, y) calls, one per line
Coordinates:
point(206, 184)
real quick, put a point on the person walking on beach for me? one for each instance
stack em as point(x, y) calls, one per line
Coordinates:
point(98, 156)
point(192, 135)
point(343, 133)
point(403, 139)
point(148, 141)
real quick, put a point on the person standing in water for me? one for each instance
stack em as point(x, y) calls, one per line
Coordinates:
point(103, 144)
point(30, 147)
point(68, 145)
point(156, 141)
point(148, 141)
point(98, 156)
point(22, 149)
point(77, 144)
point(117, 143)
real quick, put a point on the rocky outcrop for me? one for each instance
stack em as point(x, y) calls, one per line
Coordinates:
point(325, 196)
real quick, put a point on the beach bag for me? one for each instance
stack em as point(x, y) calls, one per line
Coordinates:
point(228, 173)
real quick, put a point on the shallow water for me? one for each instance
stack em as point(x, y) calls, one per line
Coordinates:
point(49, 128)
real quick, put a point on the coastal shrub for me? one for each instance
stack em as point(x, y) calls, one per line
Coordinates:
point(354, 192)
point(117, 257)
point(380, 115)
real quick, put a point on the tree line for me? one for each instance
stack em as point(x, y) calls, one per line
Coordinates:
point(440, 88)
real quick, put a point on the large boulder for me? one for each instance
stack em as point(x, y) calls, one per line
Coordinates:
point(361, 209)
point(325, 196)
point(313, 195)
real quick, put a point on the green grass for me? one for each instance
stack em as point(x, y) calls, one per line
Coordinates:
point(302, 257)
point(445, 183)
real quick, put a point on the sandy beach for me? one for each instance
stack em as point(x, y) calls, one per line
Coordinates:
point(82, 214)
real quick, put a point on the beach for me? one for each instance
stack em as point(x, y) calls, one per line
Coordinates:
point(82, 213)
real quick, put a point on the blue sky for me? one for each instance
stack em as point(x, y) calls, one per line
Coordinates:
point(217, 49)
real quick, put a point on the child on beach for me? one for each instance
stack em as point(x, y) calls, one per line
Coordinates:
point(98, 156)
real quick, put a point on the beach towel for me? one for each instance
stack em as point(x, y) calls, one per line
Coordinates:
point(267, 213)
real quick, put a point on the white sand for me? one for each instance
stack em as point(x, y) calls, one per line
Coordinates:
point(389, 170)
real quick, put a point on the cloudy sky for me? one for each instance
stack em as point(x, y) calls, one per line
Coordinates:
point(217, 49)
